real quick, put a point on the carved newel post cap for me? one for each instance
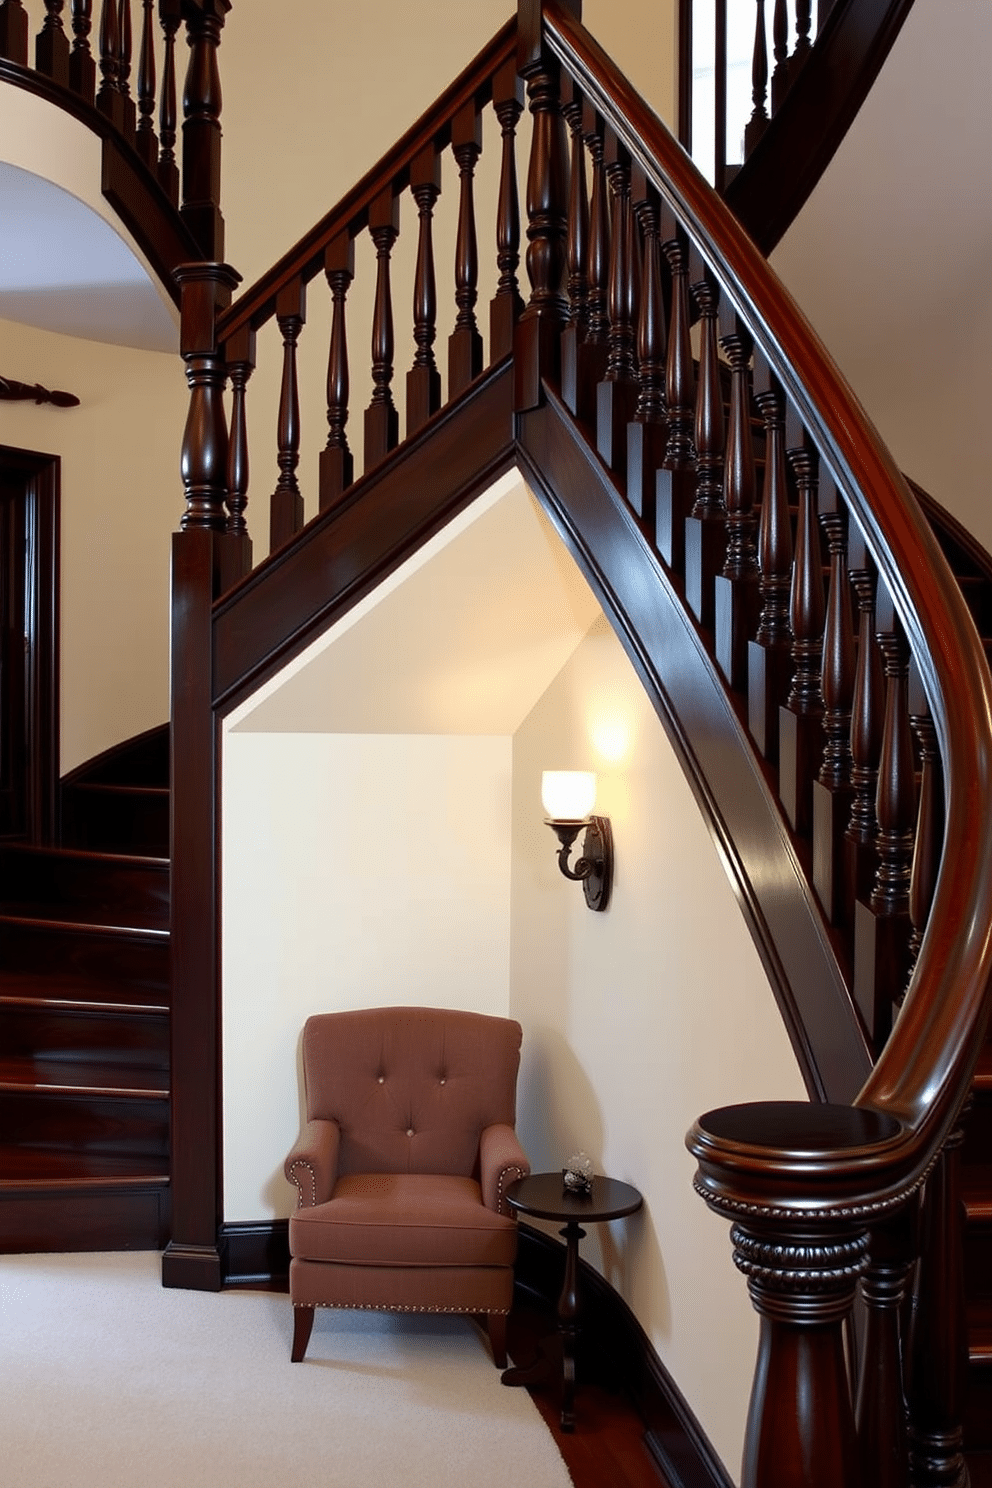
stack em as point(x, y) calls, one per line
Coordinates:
point(797, 1159)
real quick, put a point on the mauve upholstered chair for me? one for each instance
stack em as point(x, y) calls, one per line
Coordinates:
point(402, 1166)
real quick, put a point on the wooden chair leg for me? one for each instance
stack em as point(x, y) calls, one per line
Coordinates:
point(496, 1322)
point(302, 1324)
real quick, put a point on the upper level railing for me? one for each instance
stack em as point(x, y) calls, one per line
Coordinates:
point(717, 455)
point(761, 141)
point(114, 67)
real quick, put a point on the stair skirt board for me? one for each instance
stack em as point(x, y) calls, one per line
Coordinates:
point(257, 1254)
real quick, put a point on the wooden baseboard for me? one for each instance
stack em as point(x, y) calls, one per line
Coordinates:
point(257, 1254)
point(627, 1362)
point(192, 1268)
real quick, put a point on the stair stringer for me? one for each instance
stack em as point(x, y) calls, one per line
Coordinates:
point(710, 739)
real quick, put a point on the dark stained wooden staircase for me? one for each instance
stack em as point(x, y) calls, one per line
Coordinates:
point(84, 1015)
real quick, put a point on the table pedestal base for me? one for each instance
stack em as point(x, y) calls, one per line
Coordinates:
point(543, 1367)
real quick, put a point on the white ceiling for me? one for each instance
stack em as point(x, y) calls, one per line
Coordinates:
point(63, 268)
point(464, 639)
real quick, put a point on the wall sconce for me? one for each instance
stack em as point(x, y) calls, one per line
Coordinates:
point(568, 797)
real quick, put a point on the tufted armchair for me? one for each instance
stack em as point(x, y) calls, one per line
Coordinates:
point(401, 1168)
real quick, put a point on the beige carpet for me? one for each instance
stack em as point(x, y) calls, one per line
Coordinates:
point(107, 1380)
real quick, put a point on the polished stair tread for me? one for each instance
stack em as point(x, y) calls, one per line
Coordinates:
point(980, 1332)
point(24, 1075)
point(37, 1167)
point(976, 1183)
point(84, 918)
point(65, 992)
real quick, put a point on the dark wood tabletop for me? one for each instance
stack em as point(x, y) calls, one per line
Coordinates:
point(545, 1196)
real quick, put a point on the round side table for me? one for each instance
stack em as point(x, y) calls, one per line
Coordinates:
point(544, 1196)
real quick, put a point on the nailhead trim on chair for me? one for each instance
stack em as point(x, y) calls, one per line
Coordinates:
point(384, 1307)
point(502, 1179)
point(302, 1204)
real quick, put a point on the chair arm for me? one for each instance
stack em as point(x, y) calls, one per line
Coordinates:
point(313, 1163)
point(501, 1160)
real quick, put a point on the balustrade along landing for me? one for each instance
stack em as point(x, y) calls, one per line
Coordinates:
point(782, 598)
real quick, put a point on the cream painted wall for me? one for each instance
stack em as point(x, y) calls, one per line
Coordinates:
point(121, 499)
point(359, 870)
point(889, 259)
point(639, 1019)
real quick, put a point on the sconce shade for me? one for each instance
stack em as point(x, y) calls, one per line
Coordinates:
point(568, 795)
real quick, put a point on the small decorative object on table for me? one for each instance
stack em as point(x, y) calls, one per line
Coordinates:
point(577, 1173)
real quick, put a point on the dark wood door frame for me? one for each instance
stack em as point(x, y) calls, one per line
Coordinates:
point(35, 479)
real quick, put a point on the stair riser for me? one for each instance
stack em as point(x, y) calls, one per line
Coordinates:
point(136, 1039)
point(118, 892)
point(978, 1259)
point(123, 1219)
point(978, 1413)
point(978, 1129)
point(102, 820)
point(90, 1124)
point(111, 959)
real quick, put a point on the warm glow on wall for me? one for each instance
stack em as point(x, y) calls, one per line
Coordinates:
point(611, 738)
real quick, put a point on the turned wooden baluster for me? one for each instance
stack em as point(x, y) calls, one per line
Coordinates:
point(168, 170)
point(929, 839)
point(867, 718)
point(124, 44)
point(770, 653)
point(14, 32)
point(201, 127)
point(880, 1408)
point(109, 98)
point(287, 502)
point(675, 487)
point(537, 341)
point(881, 927)
point(800, 728)
point(51, 48)
point(758, 122)
point(577, 254)
point(239, 355)
point(736, 596)
point(145, 139)
point(780, 44)
point(465, 343)
point(705, 528)
point(337, 467)
point(938, 1336)
point(206, 288)
point(832, 791)
point(647, 434)
point(82, 68)
point(423, 381)
point(803, 46)
point(581, 377)
point(507, 304)
point(616, 395)
point(381, 418)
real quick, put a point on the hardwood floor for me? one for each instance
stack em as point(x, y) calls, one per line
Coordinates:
point(606, 1449)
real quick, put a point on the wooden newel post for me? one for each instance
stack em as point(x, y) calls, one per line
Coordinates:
point(789, 1177)
point(202, 554)
point(537, 342)
point(201, 125)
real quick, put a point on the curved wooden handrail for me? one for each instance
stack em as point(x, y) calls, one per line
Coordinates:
point(781, 172)
point(256, 304)
point(923, 1074)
